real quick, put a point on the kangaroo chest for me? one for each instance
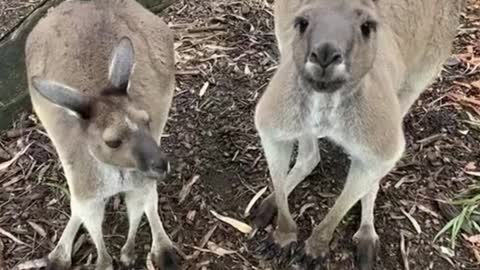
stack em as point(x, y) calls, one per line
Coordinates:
point(321, 114)
point(112, 181)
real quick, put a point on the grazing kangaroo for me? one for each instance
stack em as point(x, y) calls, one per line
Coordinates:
point(349, 72)
point(101, 79)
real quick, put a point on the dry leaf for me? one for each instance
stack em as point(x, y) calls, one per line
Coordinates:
point(2, 259)
point(191, 215)
point(34, 264)
point(187, 188)
point(9, 163)
point(466, 85)
point(475, 239)
point(473, 173)
point(446, 254)
point(219, 250)
point(241, 226)
point(476, 84)
point(247, 70)
point(253, 201)
point(327, 195)
point(89, 259)
point(78, 244)
point(428, 211)
point(305, 208)
point(220, 48)
point(13, 238)
point(37, 228)
point(476, 253)
point(470, 166)
point(207, 236)
point(413, 221)
point(475, 247)
point(404, 251)
point(204, 89)
point(14, 180)
point(447, 251)
point(460, 98)
point(470, 50)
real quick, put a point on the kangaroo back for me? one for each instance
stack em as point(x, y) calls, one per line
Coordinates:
point(424, 32)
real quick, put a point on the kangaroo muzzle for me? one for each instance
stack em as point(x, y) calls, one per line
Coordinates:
point(149, 157)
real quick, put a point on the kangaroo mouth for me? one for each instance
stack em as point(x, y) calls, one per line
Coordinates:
point(322, 84)
point(152, 174)
point(158, 170)
point(322, 79)
point(148, 175)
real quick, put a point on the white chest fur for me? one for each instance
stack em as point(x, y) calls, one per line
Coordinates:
point(321, 115)
point(112, 180)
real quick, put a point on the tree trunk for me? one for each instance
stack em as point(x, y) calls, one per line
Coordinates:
point(13, 80)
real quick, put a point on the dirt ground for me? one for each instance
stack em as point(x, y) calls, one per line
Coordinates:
point(226, 55)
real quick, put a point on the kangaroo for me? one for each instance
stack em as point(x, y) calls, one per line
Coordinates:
point(101, 80)
point(349, 72)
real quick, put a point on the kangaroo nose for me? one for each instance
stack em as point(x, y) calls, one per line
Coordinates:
point(326, 54)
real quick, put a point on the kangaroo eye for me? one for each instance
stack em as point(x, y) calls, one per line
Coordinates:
point(113, 143)
point(301, 24)
point(368, 27)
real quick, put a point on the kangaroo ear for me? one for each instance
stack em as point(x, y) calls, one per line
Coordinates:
point(64, 96)
point(121, 64)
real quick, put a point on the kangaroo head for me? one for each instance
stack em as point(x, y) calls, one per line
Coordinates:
point(335, 42)
point(116, 129)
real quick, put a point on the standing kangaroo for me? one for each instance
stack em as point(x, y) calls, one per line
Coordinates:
point(349, 72)
point(101, 79)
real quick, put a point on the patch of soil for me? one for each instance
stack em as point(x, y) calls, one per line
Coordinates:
point(226, 56)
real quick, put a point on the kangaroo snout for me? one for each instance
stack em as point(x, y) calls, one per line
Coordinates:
point(326, 66)
point(149, 158)
point(326, 55)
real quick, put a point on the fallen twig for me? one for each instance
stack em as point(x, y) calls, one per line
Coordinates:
point(187, 188)
point(207, 236)
point(6, 164)
point(2, 259)
point(13, 238)
point(404, 251)
point(413, 221)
